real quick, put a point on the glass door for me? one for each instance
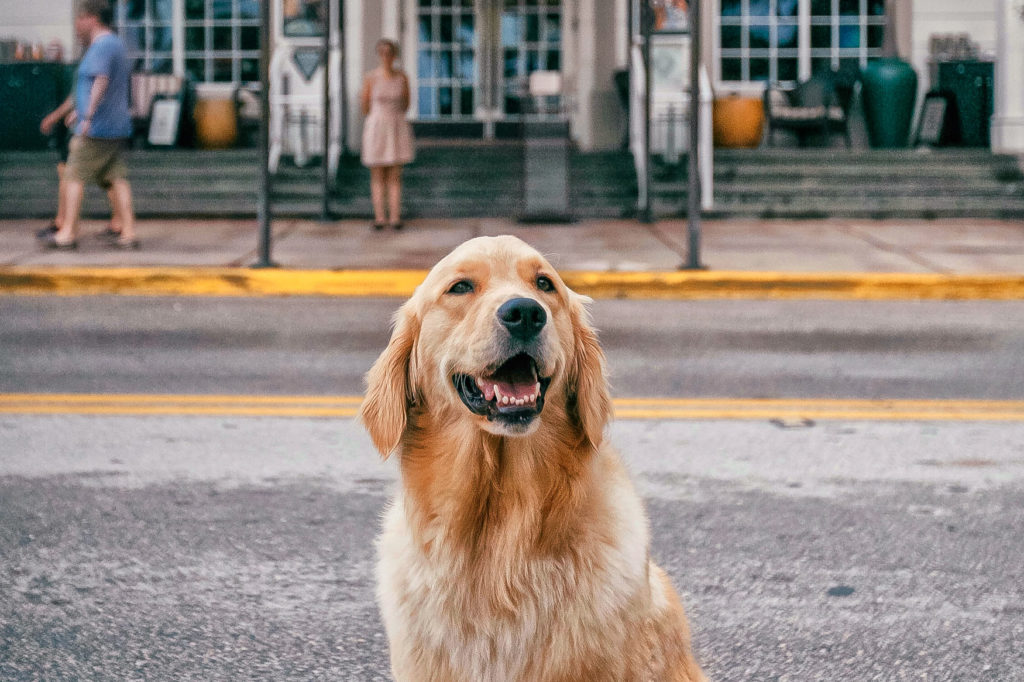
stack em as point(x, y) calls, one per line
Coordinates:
point(473, 59)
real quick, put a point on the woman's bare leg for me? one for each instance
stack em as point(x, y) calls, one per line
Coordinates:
point(378, 178)
point(394, 182)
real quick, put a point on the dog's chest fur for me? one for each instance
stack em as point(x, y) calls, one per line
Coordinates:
point(510, 607)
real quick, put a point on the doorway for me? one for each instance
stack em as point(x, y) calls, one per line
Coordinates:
point(472, 61)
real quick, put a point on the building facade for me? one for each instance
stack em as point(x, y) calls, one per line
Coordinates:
point(469, 60)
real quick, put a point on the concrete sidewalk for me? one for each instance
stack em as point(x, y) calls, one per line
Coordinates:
point(624, 257)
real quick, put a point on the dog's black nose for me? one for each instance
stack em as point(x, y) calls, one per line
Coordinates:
point(522, 317)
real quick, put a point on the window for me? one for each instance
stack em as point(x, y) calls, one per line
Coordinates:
point(786, 40)
point(222, 40)
point(531, 40)
point(221, 37)
point(446, 60)
point(145, 27)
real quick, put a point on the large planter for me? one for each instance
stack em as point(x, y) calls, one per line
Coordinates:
point(738, 121)
point(889, 90)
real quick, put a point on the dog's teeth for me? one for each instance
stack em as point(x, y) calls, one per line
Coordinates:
point(497, 394)
point(479, 382)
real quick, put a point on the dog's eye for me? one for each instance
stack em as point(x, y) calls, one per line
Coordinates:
point(545, 284)
point(463, 286)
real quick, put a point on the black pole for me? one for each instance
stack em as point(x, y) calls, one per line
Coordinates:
point(343, 79)
point(646, 24)
point(325, 113)
point(263, 203)
point(693, 193)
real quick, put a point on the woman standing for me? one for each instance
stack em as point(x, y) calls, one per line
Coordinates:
point(387, 135)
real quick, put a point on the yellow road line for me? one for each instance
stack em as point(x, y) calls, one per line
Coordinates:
point(680, 285)
point(625, 408)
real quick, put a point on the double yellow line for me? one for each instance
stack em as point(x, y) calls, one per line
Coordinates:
point(625, 408)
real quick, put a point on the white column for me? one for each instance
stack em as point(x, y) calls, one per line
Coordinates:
point(178, 37)
point(1008, 118)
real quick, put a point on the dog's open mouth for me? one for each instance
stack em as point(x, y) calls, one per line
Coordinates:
point(513, 394)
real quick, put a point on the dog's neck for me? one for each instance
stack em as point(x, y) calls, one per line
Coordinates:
point(493, 495)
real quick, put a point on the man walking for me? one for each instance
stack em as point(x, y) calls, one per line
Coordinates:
point(102, 104)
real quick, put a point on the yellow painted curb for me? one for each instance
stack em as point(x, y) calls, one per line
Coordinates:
point(340, 406)
point(198, 281)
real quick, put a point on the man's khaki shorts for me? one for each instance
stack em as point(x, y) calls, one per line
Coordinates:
point(94, 160)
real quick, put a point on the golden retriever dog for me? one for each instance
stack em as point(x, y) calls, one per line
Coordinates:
point(516, 548)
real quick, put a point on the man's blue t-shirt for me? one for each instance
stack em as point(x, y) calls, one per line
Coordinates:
point(112, 118)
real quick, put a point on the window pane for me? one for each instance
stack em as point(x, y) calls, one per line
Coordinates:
point(821, 36)
point(731, 37)
point(466, 102)
point(425, 102)
point(787, 8)
point(532, 61)
point(760, 34)
point(821, 8)
point(820, 64)
point(467, 63)
point(759, 69)
point(787, 35)
point(760, 8)
point(511, 28)
point(554, 60)
point(426, 29)
point(849, 36)
point(511, 63)
point(425, 64)
point(250, 9)
point(250, 69)
point(250, 39)
point(731, 69)
point(444, 64)
point(876, 8)
point(532, 28)
point(222, 37)
point(788, 69)
point(444, 96)
point(447, 29)
point(467, 29)
point(876, 34)
point(849, 7)
point(732, 8)
point(552, 28)
point(222, 70)
point(196, 69)
point(195, 38)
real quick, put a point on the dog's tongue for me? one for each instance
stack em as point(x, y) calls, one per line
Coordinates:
point(515, 380)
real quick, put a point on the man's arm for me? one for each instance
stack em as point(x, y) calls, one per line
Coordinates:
point(58, 114)
point(99, 89)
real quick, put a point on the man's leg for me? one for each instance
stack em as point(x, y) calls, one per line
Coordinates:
point(61, 169)
point(72, 196)
point(121, 201)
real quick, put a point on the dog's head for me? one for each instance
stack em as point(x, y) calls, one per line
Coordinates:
point(492, 337)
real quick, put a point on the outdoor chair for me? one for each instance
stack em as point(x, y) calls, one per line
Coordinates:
point(820, 104)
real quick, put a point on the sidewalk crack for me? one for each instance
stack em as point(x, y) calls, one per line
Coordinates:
point(894, 249)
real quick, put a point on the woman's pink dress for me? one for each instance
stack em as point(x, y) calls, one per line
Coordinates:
point(387, 135)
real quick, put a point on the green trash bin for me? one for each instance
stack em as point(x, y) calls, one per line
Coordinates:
point(28, 92)
point(889, 91)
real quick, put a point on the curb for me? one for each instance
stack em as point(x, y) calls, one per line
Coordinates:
point(681, 285)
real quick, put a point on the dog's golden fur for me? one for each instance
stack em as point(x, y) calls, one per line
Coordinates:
point(512, 552)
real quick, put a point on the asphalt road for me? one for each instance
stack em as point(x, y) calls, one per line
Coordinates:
point(737, 349)
point(219, 547)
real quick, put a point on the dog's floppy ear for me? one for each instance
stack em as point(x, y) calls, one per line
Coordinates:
point(389, 390)
point(589, 400)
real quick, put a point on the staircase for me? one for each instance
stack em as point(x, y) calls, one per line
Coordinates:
point(475, 179)
point(822, 183)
